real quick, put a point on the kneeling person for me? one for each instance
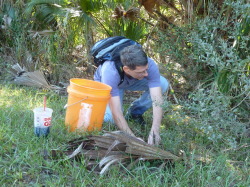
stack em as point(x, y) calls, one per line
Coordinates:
point(140, 74)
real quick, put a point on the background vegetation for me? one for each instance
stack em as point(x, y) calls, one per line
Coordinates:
point(201, 46)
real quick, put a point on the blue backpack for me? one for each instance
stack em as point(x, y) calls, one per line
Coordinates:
point(109, 49)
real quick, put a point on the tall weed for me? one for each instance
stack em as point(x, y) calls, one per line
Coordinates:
point(210, 46)
point(212, 57)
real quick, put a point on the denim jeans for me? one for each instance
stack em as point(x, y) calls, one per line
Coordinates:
point(140, 105)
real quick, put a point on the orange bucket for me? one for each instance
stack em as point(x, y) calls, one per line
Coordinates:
point(87, 101)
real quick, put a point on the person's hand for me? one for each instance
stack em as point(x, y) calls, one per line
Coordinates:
point(154, 137)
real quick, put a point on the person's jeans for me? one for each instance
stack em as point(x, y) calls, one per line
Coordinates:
point(140, 105)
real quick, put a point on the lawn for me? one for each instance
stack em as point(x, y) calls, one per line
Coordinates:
point(24, 157)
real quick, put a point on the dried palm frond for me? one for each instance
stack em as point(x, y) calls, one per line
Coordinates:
point(18, 68)
point(102, 151)
point(131, 13)
point(33, 79)
point(118, 12)
point(114, 148)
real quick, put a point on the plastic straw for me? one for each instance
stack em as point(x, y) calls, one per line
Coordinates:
point(44, 103)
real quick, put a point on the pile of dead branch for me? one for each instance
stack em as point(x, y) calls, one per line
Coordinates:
point(102, 151)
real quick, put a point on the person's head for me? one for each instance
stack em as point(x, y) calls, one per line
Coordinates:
point(134, 61)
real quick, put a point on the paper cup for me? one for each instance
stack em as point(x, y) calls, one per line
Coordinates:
point(42, 121)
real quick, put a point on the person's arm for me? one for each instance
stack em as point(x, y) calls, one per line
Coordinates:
point(116, 109)
point(154, 135)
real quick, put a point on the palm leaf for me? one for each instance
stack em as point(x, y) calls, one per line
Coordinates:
point(33, 79)
point(114, 148)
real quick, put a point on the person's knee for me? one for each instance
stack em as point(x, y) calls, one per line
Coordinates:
point(164, 84)
point(108, 118)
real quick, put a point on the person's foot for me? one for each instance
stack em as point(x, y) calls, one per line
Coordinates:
point(137, 118)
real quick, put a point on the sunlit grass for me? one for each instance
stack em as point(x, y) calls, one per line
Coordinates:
point(24, 157)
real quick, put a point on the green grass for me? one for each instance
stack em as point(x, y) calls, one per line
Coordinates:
point(22, 161)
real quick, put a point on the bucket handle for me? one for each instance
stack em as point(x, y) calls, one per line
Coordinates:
point(66, 106)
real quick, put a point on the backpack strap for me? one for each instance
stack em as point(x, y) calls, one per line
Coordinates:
point(121, 72)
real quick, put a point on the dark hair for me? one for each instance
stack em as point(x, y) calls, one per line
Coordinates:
point(133, 56)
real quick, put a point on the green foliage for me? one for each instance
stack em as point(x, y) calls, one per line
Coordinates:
point(209, 51)
point(107, 25)
point(90, 6)
point(215, 118)
point(12, 30)
point(46, 12)
point(229, 64)
point(211, 58)
point(225, 81)
point(8, 10)
point(131, 29)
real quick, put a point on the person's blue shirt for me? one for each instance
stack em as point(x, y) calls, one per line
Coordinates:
point(108, 74)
